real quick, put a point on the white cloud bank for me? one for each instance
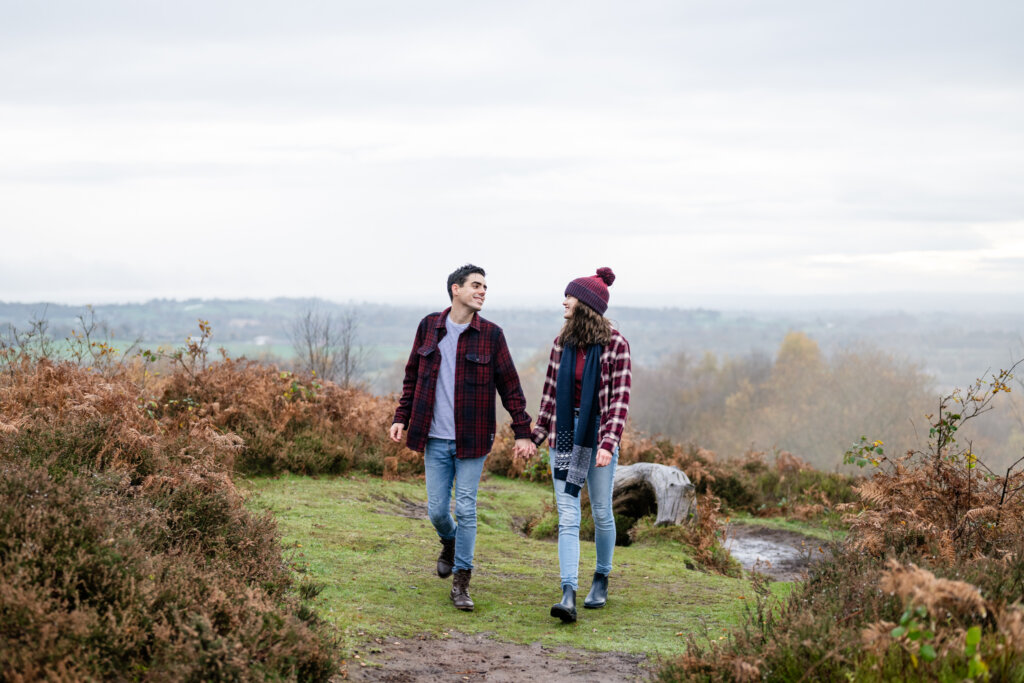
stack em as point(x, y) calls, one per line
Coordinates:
point(706, 151)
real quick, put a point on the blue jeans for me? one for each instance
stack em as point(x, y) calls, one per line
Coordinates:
point(442, 468)
point(600, 481)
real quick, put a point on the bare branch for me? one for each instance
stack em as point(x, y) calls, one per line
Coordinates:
point(328, 347)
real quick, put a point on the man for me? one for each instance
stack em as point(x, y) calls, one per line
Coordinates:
point(457, 361)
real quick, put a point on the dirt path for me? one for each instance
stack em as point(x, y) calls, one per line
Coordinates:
point(462, 657)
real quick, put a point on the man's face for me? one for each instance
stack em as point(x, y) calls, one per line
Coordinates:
point(471, 293)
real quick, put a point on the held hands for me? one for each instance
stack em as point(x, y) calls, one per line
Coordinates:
point(396, 432)
point(524, 449)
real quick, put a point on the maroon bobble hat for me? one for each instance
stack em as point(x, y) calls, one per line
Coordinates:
point(593, 290)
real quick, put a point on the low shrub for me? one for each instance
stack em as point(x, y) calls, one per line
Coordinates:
point(288, 422)
point(96, 584)
point(704, 540)
point(928, 586)
point(126, 551)
point(786, 486)
point(857, 618)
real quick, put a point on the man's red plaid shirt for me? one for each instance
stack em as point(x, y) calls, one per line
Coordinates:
point(482, 365)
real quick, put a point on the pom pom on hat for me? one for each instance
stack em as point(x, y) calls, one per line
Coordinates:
point(592, 290)
point(607, 275)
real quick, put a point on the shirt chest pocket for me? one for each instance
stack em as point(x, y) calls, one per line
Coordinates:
point(427, 359)
point(478, 368)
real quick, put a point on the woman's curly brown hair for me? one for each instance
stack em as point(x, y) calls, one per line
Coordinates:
point(585, 327)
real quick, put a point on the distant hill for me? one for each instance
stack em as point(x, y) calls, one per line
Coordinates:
point(953, 348)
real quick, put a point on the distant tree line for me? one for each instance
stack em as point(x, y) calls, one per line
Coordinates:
point(806, 403)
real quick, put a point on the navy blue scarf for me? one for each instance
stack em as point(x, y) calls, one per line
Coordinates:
point(575, 446)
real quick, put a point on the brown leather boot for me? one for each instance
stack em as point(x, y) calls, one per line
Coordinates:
point(446, 560)
point(460, 590)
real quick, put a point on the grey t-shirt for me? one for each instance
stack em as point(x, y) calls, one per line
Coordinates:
point(442, 426)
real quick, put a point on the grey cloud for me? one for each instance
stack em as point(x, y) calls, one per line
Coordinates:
point(1011, 265)
point(921, 203)
point(854, 128)
point(579, 54)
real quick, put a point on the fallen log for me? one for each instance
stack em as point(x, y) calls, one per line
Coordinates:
point(645, 488)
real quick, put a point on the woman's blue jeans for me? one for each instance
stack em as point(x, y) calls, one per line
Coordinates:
point(600, 481)
point(442, 468)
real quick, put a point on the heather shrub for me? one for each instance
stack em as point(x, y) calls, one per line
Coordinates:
point(928, 586)
point(857, 618)
point(943, 501)
point(64, 447)
point(784, 641)
point(125, 549)
point(288, 422)
point(95, 584)
point(784, 485)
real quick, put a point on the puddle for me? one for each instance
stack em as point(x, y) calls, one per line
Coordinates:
point(783, 555)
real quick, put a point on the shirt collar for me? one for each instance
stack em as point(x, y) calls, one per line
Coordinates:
point(474, 322)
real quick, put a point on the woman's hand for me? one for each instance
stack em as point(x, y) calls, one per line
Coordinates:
point(523, 450)
point(603, 457)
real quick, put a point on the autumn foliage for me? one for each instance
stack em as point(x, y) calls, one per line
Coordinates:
point(125, 549)
point(928, 586)
point(801, 400)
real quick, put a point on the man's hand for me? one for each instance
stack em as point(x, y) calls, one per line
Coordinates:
point(603, 457)
point(524, 449)
point(396, 432)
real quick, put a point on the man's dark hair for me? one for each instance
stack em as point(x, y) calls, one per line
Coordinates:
point(460, 276)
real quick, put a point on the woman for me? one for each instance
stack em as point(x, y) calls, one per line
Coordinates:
point(582, 413)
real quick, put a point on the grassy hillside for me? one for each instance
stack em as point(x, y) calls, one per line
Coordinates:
point(368, 543)
point(128, 550)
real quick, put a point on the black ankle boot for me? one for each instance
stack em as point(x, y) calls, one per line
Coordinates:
point(598, 594)
point(566, 609)
point(446, 560)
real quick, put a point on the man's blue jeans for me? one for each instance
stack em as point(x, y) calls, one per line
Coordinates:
point(600, 481)
point(442, 468)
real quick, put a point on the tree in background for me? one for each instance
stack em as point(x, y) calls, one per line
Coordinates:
point(802, 401)
point(328, 346)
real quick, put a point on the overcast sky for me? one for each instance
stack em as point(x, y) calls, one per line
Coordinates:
point(709, 152)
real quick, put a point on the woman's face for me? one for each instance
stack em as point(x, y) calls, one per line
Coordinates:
point(569, 304)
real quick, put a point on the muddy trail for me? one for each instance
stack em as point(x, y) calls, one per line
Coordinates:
point(462, 657)
point(783, 555)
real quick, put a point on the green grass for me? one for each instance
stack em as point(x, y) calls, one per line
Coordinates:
point(377, 568)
